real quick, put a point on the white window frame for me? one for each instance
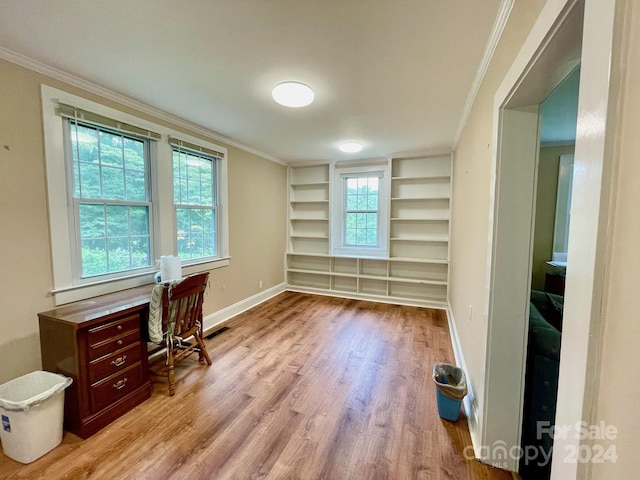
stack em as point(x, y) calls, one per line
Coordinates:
point(338, 211)
point(66, 286)
point(214, 207)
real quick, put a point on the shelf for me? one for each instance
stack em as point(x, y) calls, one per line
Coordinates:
point(416, 268)
point(436, 261)
point(396, 219)
point(434, 178)
point(308, 184)
point(420, 199)
point(434, 239)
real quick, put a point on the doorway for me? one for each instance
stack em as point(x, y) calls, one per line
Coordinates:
point(554, 48)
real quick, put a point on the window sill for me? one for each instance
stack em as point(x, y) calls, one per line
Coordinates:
point(86, 291)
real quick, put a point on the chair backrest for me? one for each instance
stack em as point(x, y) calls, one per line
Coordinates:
point(182, 303)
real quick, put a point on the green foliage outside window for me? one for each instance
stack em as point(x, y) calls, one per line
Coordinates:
point(361, 216)
point(195, 203)
point(110, 192)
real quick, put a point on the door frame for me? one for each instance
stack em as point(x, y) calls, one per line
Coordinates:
point(506, 343)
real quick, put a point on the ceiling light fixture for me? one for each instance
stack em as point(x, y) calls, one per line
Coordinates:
point(350, 147)
point(293, 94)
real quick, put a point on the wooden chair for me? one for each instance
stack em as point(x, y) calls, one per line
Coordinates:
point(181, 319)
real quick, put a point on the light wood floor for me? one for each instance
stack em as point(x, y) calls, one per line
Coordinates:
point(301, 387)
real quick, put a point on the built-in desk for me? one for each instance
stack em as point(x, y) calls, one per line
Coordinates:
point(101, 344)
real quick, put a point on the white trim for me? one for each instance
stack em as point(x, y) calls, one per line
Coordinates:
point(49, 71)
point(214, 319)
point(65, 288)
point(498, 27)
point(469, 402)
point(338, 209)
point(368, 297)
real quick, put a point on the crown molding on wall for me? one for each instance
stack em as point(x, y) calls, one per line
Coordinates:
point(49, 71)
point(489, 50)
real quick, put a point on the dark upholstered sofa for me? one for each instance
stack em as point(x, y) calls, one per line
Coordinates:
point(541, 380)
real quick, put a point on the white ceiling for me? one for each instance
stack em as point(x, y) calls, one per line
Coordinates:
point(392, 74)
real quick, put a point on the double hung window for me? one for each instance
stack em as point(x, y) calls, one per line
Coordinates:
point(111, 200)
point(123, 191)
point(360, 211)
point(196, 203)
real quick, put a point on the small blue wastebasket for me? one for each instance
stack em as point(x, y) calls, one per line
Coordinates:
point(451, 387)
point(448, 408)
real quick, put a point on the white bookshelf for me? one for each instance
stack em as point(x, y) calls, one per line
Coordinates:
point(415, 271)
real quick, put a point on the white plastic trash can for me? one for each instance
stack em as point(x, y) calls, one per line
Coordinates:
point(32, 413)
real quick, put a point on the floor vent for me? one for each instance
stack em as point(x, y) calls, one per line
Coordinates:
point(216, 333)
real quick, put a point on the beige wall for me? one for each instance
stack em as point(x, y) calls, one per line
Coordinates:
point(619, 376)
point(257, 221)
point(470, 204)
point(546, 192)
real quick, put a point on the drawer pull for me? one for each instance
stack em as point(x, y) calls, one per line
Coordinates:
point(119, 342)
point(119, 385)
point(119, 327)
point(118, 362)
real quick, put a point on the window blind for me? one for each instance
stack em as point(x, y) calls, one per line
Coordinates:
point(78, 114)
point(184, 145)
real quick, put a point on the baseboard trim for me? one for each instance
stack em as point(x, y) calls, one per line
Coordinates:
point(468, 403)
point(215, 319)
point(368, 298)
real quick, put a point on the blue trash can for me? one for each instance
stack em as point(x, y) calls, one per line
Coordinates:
point(451, 387)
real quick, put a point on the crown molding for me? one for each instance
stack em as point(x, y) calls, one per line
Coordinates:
point(49, 71)
point(498, 27)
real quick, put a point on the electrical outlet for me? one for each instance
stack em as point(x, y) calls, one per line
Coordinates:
point(470, 312)
point(260, 284)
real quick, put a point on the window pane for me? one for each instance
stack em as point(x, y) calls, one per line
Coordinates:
point(361, 237)
point(139, 220)
point(361, 220)
point(86, 143)
point(94, 257)
point(350, 236)
point(140, 252)
point(196, 232)
point(352, 186)
point(119, 254)
point(90, 181)
point(362, 202)
point(117, 220)
point(351, 220)
point(113, 183)
point(135, 183)
point(134, 154)
point(352, 202)
point(372, 202)
point(373, 185)
point(91, 221)
point(110, 149)
point(372, 238)
point(362, 185)
point(372, 220)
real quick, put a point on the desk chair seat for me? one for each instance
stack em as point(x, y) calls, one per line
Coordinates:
point(181, 319)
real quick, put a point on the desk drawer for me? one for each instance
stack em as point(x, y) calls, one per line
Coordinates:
point(107, 391)
point(112, 344)
point(113, 363)
point(113, 329)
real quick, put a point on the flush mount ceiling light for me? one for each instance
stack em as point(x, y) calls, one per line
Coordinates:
point(293, 94)
point(350, 147)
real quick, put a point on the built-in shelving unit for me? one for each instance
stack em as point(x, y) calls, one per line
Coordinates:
point(416, 268)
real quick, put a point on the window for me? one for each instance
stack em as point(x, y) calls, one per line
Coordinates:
point(114, 207)
point(111, 204)
point(359, 211)
point(195, 201)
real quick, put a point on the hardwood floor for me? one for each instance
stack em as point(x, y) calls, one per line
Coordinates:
point(301, 387)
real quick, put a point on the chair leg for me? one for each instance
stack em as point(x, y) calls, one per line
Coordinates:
point(170, 374)
point(203, 350)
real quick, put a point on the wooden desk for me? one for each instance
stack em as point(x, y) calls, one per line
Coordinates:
point(100, 343)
